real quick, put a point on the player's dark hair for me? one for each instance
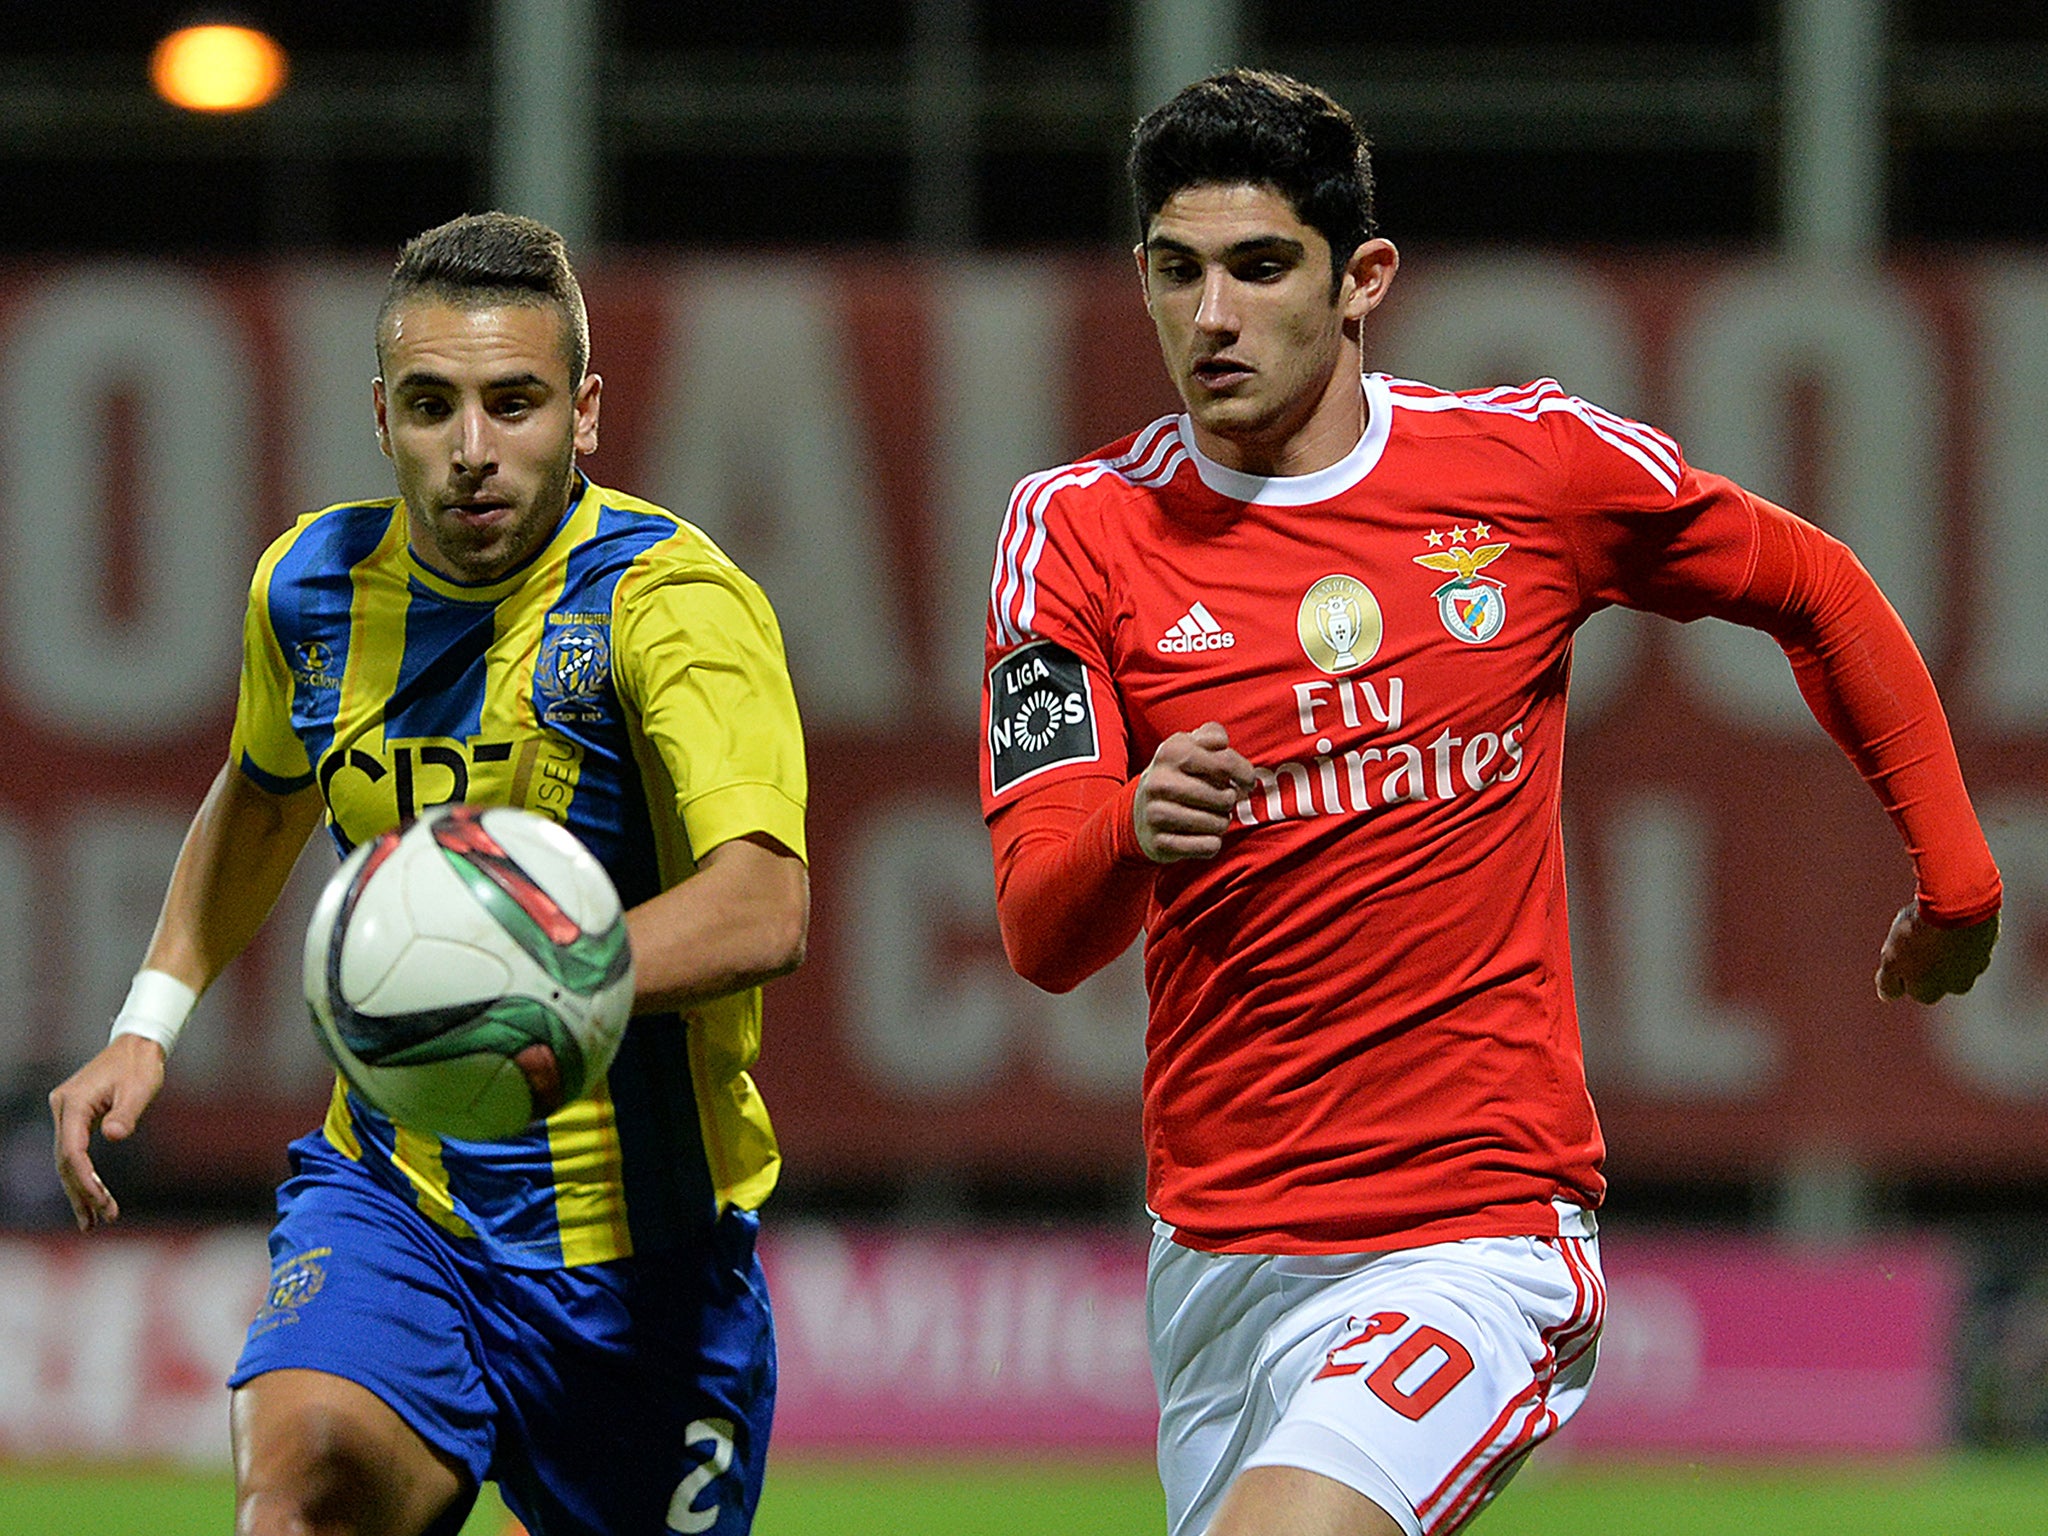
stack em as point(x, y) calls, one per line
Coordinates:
point(1267, 129)
point(491, 258)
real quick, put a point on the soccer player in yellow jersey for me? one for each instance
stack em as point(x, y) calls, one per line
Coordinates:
point(576, 1313)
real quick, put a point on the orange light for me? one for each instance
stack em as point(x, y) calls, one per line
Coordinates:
point(217, 68)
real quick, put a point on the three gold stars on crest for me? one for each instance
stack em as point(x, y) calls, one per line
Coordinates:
point(1464, 564)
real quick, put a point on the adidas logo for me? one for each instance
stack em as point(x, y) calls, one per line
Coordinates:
point(1197, 630)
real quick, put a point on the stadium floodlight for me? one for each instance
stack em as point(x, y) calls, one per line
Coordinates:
point(218, 68)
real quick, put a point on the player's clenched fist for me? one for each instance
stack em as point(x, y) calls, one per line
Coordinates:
point(1186, 795)
point(1927, 963)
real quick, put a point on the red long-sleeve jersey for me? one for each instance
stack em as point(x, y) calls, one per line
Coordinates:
point(1362, 1033)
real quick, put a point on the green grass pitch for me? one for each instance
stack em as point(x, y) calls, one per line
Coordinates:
point(1978, 1493)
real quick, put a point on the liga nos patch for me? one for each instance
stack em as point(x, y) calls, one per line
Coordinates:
point(1041, 714)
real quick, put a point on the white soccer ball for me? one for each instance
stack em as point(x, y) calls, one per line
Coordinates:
point(469, 972)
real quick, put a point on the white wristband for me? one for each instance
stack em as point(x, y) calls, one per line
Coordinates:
point(158, 1006)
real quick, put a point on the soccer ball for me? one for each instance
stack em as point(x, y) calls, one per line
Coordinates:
point(469, 972)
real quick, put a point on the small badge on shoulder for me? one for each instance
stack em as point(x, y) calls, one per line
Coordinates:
point(1041, 714)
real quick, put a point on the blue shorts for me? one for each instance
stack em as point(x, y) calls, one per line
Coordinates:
point(604, 1400)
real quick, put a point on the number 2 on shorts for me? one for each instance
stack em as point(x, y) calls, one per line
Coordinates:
point(682, 1515)
point(1385, 1381)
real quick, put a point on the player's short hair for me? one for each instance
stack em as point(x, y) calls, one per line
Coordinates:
point(482, 259)
point(1264, 128)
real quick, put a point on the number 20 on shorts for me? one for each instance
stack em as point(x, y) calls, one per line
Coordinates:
point(1385, 1380)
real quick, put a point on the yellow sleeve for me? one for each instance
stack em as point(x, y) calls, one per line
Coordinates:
point(264, 746)
point(698, 658)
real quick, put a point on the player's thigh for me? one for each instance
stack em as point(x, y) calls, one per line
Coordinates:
point(317, 1451)
point(1425, 1378)
point(639, 1392)
point(1287, 1501)
point(1208, 1316)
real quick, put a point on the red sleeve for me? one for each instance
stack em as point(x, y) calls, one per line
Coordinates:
point(1071, 882)
point(1652, 532)
point(1865, 682)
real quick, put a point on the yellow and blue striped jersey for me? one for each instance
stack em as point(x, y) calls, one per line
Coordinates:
point(627, 681)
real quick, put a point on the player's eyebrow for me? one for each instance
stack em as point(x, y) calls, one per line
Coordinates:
point(421, 378)
point(1256, 245)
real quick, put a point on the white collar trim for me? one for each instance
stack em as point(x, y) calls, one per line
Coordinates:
point(1303, 490)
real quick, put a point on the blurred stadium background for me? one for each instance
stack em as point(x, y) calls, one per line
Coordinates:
point(854, 266)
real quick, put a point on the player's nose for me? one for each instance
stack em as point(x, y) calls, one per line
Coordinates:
point(1218, 310)
point(474, 448)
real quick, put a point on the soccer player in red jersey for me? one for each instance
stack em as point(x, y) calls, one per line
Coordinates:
point(1281, 681)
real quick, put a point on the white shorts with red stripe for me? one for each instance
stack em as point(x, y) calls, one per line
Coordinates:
point(1421, 1377)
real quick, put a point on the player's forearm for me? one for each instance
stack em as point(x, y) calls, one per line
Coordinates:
point(743, 918)
point(1866, 683)
point(1071, 882)
point(1897, 736)
point(235, 860)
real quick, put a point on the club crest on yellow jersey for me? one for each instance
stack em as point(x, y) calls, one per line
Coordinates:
point(574, 667)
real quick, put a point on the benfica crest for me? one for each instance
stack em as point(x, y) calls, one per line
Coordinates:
point(1473, 607)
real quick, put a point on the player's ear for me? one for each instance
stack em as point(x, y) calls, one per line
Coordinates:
point(378, 405)
point(1138, 255)
point(1367, 277)
point(588, 395)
